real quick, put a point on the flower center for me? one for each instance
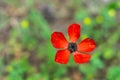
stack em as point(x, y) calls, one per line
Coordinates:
point(72, 47)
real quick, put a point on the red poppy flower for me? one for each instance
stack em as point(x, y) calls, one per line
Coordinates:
point(78, 50)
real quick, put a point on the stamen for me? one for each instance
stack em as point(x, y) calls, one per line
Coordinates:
point(72, 47)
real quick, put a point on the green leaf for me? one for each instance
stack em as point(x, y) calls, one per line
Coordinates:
point(113, 73)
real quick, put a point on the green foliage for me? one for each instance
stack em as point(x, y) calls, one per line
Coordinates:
point(17, 69)
point(3, 19)
point(113, 73)
point(1, 66)
point(40, 23)
point(26, 52)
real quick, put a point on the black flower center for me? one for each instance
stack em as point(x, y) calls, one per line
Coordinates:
point(72, 47)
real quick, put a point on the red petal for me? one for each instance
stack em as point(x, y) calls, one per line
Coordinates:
point(74, 32)
point(58, 40)
point(81, 58)
point(87, 45)
point(62, 56)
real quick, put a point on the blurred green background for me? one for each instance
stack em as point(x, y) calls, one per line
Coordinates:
point(26, 52)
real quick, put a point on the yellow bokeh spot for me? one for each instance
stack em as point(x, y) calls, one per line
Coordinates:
point(87, 21)
point(9, 68)
point(112, 13)
point(118, 4)
point(99, 19)
point(24, 24)
point(83, 36)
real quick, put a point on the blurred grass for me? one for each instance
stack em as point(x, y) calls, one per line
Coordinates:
point(26, 52)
